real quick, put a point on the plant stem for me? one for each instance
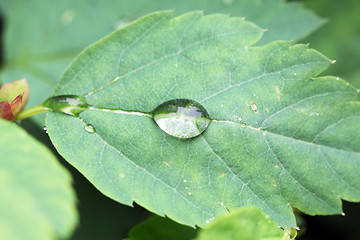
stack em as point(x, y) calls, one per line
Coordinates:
point(31, 111)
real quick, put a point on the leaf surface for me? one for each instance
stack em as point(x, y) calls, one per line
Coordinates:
point(42, 37)
point(36, 198)
point(279, 137)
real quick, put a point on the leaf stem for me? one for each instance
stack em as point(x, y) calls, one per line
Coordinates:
point(32, 111)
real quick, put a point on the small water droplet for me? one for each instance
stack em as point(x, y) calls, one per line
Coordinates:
point(337, 78)
point(90, 128)
point(290, 232)
point(189, 193)
point(243, 125)
point(185, 180)
point(294, 74)
point(237, 117)
point(207, 221)
point(254, 95)
point(182, 118)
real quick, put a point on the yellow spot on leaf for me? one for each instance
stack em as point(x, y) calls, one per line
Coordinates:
point(222, 174)
point(254, 107)
point(277, 92)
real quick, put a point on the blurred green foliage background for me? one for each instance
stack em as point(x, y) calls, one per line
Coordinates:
point(339, 38)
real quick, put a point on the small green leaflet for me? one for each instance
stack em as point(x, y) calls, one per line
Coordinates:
point(247, 223)
point(278, 138)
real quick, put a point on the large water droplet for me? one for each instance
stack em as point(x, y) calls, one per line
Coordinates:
point(182, 118)
point(69, 104)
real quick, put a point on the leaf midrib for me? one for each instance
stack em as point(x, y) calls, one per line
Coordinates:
point(147, 114)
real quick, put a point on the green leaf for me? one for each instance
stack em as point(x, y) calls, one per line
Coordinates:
point(157, 228)
point(279, 137)
point(247, 223)
point(42, 37)
point(36, 197)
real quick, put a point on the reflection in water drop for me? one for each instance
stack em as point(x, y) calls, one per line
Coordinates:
point(182, 118)
point(90, 128)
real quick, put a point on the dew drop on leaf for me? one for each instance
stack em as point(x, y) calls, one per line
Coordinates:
point(90, 128)
point(68, 104)
point(181, 118)
point(290, 233)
